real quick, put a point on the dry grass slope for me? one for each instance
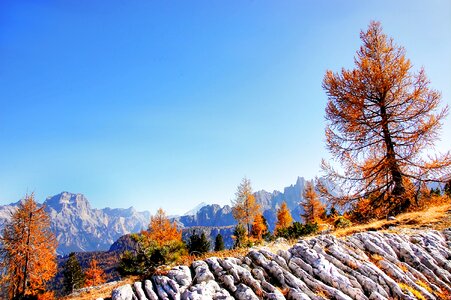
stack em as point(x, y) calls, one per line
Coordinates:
point(436, 217)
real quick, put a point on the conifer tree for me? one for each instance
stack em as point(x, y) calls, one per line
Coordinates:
point(198, 244)
point(382, 118)
point(312, 206)
point(447, 189)
point(94, 275)
point(219, 243)
point(27, 251)
point(259, 227)
point(239, 235)
point(74, 278)
point(284, 218)
point(245, 207)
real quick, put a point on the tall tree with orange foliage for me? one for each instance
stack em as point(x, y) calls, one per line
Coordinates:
point(161, 230)
point(28, 251)
point(245, 207)
point(284, 218)
point(312, 206)
point(259, 227)
point(382, 116)
point(94, 275)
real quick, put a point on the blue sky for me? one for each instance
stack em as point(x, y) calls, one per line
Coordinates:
point(170, 103)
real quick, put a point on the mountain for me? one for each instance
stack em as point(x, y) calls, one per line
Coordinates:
point(194, 210)
point(216, 216)
point(79, 227)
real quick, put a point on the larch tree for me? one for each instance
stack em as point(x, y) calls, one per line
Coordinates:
point(383, 120)
point(161, 230)
point(259, 227)
point(94, 275)
point(284, 218)
point(28, 251)
point(245, 207)
point(311, 205)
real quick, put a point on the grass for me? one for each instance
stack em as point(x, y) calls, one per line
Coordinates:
point(436, 217)
point(413, 291)
point(101, 291)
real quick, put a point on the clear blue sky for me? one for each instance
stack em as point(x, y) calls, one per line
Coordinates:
point(170, 103)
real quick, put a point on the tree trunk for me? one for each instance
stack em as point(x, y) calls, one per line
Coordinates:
point(398, 201)
point(27, 256)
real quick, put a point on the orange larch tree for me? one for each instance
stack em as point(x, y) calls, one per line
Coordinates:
point(28, 251)
point(161, 230)
point(284, 218)
point(259, 227)
point(382, 118)
point(245, 207)
point(311, 205)
point(94, 275)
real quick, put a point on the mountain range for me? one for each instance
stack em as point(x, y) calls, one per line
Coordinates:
point(79, 227)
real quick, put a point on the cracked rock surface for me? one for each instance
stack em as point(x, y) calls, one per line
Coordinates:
point(364, 266)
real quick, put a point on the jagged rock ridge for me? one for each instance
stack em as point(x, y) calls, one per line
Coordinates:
point(369, 265)
point(79, 227)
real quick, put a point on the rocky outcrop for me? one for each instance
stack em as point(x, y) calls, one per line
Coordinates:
point(364, 266)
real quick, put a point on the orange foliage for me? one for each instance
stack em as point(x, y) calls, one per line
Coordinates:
point(312, 206)
point(259, 227)
point(29, 250)
point(161, 230)
point(47, 296)
point(382, 117)
point(94, 275)
point(284, 218)
point(245, 207)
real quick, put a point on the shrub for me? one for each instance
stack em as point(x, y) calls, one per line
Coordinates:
point(342, 222)
point(297, 230)
point(150, 255)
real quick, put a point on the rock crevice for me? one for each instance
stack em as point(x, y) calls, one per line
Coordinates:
point(364, 266)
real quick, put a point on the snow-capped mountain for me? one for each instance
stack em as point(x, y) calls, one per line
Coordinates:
point(79, 227)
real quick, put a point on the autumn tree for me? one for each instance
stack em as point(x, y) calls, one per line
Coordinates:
point(219, 243)
point(311, 205)
point(259, 227)
point(382, 118)
point(73, 276)
point(245, 207)
point(284, 218)
point(161, 230)
point(94, 275)
point(27, 251)
point(160, 244)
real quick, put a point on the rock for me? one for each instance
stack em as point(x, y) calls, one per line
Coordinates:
point(124, 292)
point(365, 266)
point(139, 291)
point(148, 288)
